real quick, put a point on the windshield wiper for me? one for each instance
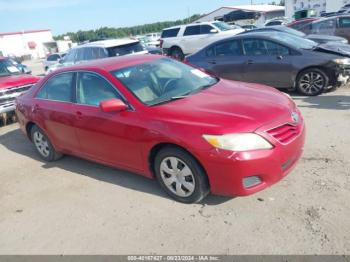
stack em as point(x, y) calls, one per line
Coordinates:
point(169, 100)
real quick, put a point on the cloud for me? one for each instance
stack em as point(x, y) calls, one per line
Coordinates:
point(19, 5)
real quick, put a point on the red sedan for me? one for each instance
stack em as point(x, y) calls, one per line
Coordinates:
point(161, 118)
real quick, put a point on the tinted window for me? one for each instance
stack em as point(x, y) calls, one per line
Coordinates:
point(205, 29)
point(274, 23)
point(324, 25)
point(81, 54)
point(254, 47)
point(92, 89)
point(170, 33)
point(228, 48)
point(276, 49)
point(125, 49)
point(58, 88)
point(192, 30)
point(344, 22)
point(71, 55)
point(53, 57)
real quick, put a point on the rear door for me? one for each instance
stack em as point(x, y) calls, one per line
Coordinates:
point(53, 110)
point(107, 137)
point(267, 62)
point(191, 39)
point(226, 60)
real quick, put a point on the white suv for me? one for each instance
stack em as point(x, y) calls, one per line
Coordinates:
point(179, 41)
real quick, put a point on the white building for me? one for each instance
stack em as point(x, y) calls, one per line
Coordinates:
point(266, 12)
point(25, 43)
point(321, 6)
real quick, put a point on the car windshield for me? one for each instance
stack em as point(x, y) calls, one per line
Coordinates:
point(163, 80)
point(125, 49)
point(8, 68)
point(222, 26)
point(293, 40)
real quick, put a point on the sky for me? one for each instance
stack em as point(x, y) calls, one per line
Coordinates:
point(63, 16)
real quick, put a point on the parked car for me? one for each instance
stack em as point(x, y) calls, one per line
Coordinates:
point(277, 59)
point(12, 84)
point(249, 27)
point(53, 59)
point(98, 50)
point(297, 24)
point(317, 38)
point(179, 41)
point(276, 21)
point(21, 67)
point(334, 26)
point(160, 118)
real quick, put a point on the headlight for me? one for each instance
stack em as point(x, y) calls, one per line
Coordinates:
point(342, 61)
point(238, 142)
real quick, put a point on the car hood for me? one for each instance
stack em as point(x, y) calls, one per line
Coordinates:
point(17, 80)
point(327, 38)
point(229, 106)
point(334, 48)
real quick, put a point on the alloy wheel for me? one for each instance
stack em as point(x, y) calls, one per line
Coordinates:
point(312, 82)
point(41, 144)
point(177, 176)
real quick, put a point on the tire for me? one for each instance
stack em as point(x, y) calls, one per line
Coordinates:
point(177, 53)
point(43, 145)
point(312, 82)
point(189, 184)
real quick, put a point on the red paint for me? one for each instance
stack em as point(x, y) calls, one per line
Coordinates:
point(125, 139)
point(113, 105)
point(7, 82)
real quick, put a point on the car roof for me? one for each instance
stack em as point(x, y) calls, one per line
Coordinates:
point(192, 24)
point(109, 43)
point(111, 63)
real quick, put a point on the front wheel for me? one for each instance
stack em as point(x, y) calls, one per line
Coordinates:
point(312, 82)
point(180, 175)
point(43, 145)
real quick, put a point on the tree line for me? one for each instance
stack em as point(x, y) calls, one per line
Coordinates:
point(112, 32)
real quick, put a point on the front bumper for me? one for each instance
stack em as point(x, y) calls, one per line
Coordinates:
point(8, 98)
point(227, 170)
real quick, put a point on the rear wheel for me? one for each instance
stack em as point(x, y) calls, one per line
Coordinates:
point(177, 53)
point(312, 82)
point(180, 175)
point(43, 145)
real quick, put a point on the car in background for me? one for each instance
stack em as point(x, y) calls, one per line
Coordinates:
point(276, 59)
point(98, 50)
point(276, 21)
point(52, 59)
point(162, 119)
point(317, 38)
point(12, 84)
point(297, 24)
point(179, 41)
point(333, 26)
point(249, 27)
point(21, 67)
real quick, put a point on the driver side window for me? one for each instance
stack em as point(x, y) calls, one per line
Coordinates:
point(93, 89)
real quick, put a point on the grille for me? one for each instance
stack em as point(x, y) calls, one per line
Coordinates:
point(285, 133)
point(9, 95)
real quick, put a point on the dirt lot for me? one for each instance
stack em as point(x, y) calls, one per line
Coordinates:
point(74, 206)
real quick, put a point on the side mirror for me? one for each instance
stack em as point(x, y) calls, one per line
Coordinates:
point(214, 31)
point(113, 105)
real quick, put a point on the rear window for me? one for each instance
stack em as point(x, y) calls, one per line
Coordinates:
point(125, 49)
point(170, 33)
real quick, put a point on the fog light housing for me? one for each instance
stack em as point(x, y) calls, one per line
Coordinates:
point(251, 181)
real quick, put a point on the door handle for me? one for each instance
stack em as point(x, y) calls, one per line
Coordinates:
point(213, 62)
point(280, 57)
point(79, 114)
point(250, 62)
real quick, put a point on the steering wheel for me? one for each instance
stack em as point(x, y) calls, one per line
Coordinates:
point(168, 83)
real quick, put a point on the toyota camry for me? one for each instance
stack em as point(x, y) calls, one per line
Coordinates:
point(154, 116)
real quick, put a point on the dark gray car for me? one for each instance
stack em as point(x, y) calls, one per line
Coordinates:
point(275, 59)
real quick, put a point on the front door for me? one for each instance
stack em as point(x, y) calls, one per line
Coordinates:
point(107, 137)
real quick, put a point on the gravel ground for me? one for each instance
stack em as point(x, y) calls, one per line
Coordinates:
point(78, 207)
